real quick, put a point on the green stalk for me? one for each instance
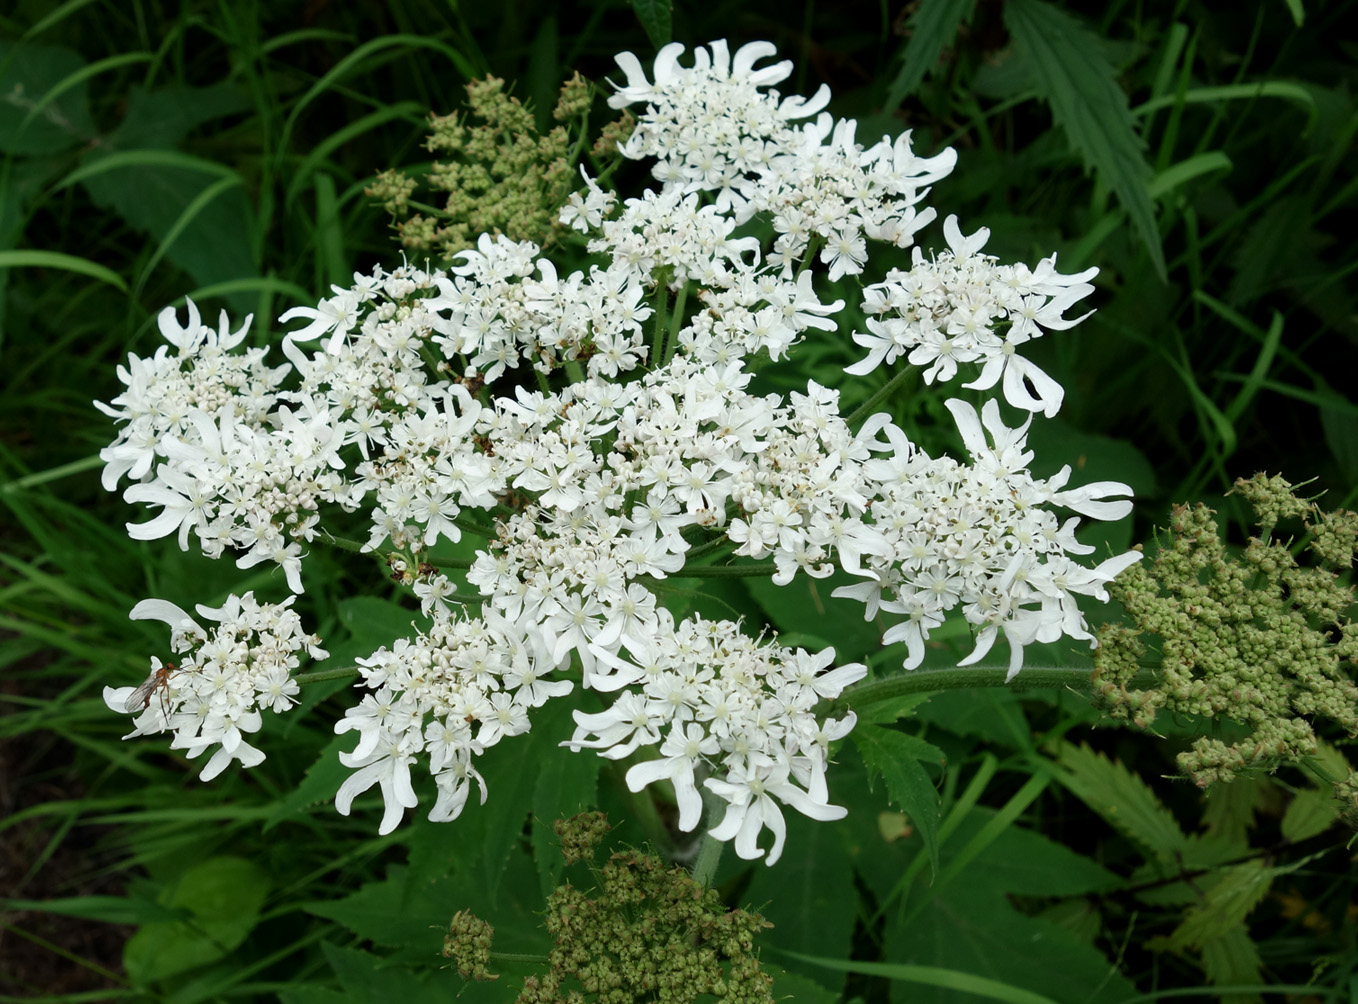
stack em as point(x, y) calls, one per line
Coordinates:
point(709, 850)
point(959, 678)
point(726, 571)
point(321, 675)
point(896, 383)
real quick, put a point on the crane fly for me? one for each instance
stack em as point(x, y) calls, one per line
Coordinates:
point(140, 699)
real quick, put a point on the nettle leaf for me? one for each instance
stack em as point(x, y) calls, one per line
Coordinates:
point(1224, 906)
point(896, 757)
point(410, 910)
point(807, 895)
point(1124, 801)
point(1232, 960)
point(367, 978)
point(222, 897)
point(1070, 69)
point(656, 17)
point(932, 28)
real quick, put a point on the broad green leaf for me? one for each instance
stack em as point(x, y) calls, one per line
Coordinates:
point(1311, 812)
point(27, 74)
point(223, 896)
point(896, 757)
point(1230, 808)
point(971, 925)
point(932, 28)
point(793, 987)
point(566, 786)
point(1070, 69)
point(1124, 801)
point(805, 607)
point(656, 17)
point(806, 895)
point(368, 979)
point(318, 785)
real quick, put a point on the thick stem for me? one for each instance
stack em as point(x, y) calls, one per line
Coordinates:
point(709, 849)
point(326, 674)
point(957, 678)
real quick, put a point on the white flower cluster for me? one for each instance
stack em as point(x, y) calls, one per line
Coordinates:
point(214, 694)
point(946, 311)
point(642, 452)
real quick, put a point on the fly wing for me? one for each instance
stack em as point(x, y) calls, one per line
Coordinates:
point(140, 699)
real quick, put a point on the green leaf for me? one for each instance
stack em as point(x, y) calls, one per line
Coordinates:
point(793, 987)
point(656, 17)
point(1070, 69)
point(932, 28)
point(223, 896)
point(1124, 801)
point(896, 757)
point(804, 607)
point(27, 74)
point(933, 976)
point(109, 909)
point(318, 785)
point(971, 926)
point(367, 979)
point(1312, 812)
point(68, 262)
point(567, 784)
point(807, 895)
point(1224, 906)
point(1232, 960)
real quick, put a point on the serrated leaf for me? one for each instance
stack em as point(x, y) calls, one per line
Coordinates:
point(1311, 812)
point(896, 757)
point(1123, 800)
point(1069, 68)
point(223, 896)
point(1225, 905)
point(656, 17)
point(367, 979)
point(1232, 960)
point(933, 26)
point(1230, 808)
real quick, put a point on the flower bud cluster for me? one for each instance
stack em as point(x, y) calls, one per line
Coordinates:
point(1258, 638)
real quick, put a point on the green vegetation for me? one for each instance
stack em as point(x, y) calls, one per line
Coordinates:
point(1007, 843)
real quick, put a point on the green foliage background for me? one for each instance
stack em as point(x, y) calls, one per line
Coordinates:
point(1200, 154)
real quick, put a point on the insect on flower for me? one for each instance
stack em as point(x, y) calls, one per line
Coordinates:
point(140, 699)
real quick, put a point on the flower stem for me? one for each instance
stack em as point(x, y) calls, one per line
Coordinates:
point(321, 675)
point(709, 849)
point(726, 571)
point(957, 678)
point(896, 383)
